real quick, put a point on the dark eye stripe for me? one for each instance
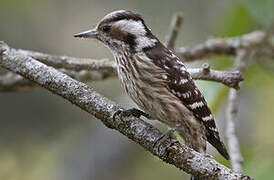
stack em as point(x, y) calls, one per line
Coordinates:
point(130, 40)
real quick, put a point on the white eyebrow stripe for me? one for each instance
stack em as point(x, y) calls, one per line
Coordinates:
point(131, 26)
point(196, 105)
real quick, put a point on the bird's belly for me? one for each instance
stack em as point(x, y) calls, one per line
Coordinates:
point(158, 102)
point(148, 89)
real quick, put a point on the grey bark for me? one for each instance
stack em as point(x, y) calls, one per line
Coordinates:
point(228, 46)
point(241, 62)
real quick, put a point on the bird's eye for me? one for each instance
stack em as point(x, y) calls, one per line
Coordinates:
point(106, 28)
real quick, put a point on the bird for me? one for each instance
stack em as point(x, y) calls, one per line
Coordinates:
point(156, 79)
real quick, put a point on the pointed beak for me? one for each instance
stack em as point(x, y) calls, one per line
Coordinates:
point(92, 33)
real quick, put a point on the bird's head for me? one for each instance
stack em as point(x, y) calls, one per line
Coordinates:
point(121, 29)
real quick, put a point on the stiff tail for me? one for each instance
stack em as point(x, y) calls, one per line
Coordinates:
point(218, 144)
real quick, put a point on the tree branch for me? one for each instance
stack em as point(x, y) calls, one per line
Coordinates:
point(136, 129)
point(71, 63)
point(232, 115)
point(232, 140)
point(173, 32)
point(224, 46)
point(231, 79)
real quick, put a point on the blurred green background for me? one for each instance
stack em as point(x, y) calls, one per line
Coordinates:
point(44, 137)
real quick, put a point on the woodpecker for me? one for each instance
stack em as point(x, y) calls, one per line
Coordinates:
point(156, 80)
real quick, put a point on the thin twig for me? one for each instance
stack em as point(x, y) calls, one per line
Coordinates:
point(222, 46)
point(67, 62)
point(170, 151)
point(229, 78)
point(232, 140)
point(173, 32)
point(233, 117)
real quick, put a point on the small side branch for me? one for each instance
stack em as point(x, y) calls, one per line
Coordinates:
point(223, 46)
point(232, 140)
point(230, 79)
point(233, 117)
point(173, 32)
point(67, 62)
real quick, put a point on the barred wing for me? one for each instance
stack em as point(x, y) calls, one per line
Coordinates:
point(185, 89)
point(182, 86)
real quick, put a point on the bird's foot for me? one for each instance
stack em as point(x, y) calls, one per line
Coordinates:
point(158, 145)
point(131, 112)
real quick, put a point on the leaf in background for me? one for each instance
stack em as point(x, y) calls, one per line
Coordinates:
point(236, 21)
point(261, 10)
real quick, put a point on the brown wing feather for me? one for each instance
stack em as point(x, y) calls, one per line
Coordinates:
point(182, 85)
point(193, 99)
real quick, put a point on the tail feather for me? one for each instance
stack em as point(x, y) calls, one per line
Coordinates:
point(218, 144)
